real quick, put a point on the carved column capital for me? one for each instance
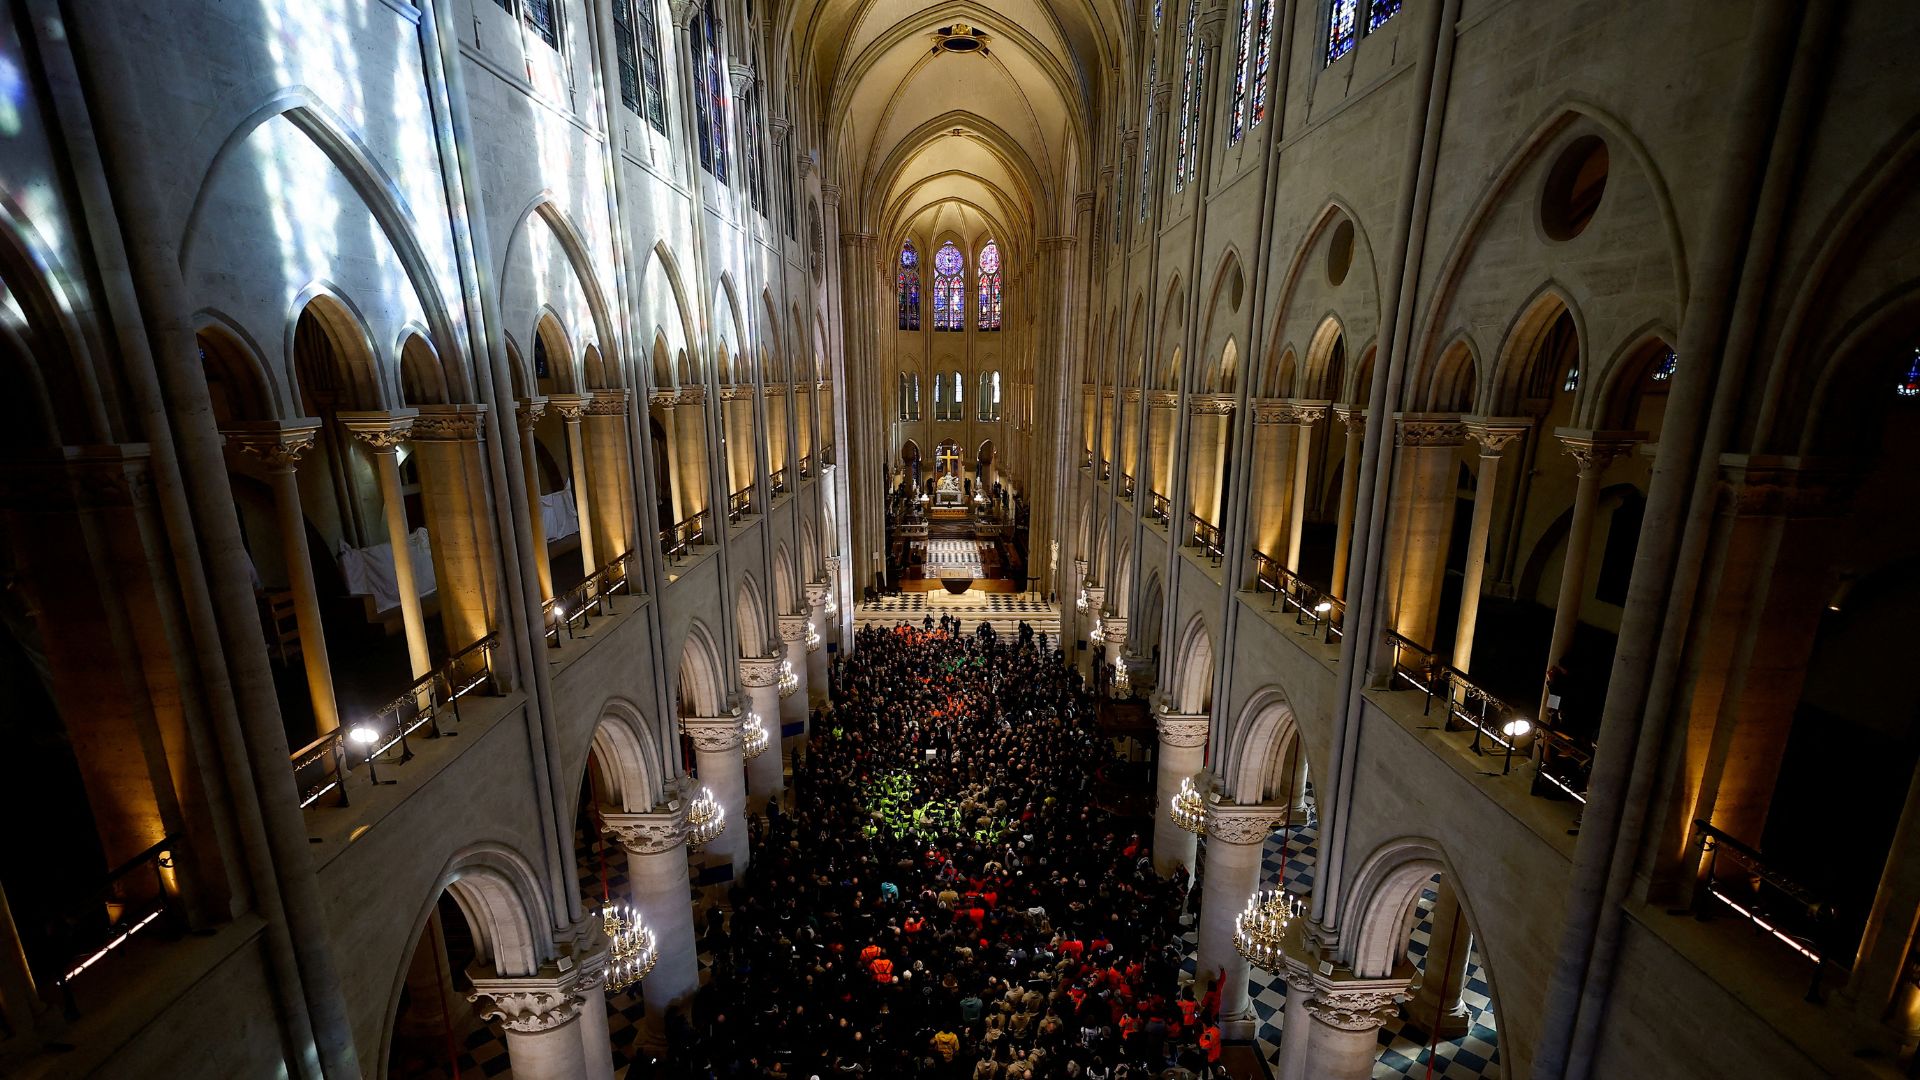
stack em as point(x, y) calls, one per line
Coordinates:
point(608, 402)
point(1353, 1011)
point(277, 444)
point(571, 407)
point(1353, 417)
point(1231, 823)
point(830, 195)
point(1182, 729)
point(1211, 404)
point(380, 429)
point(1494, 433)
point(1116, 629)
point(651, 833)
point(528, 1006)
point(1593, 451)
point(763, 671)
point(682, 12)
point(742, 76)
point(1428, 429)
point(712, 734)
point(793, 628)
point(779, 126)
point(529, 411)
point(450, 423)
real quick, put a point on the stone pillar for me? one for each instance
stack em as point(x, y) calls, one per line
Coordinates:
point(765, 778)
point(429, 983)
point(816, 655)
point(383, 432)
point(662, 894)
point(1305, 414)
point(1268, 507)
point(529, 413)
point(605, 430)
point(1436, 1001)
point(1343, 1029)
point(1183, 743)
point(1161, 417)
point(454, 492)
point(1116, 639)
point(278, 445)
point(1493, 437)
point(541, 1015)
point(571, 408)
point(1235, 836)
point(1592, 452)
point(718, 764)
point(1354, 419)
point(795, 705)
point(1420, 520)
point(1296, 1026)
point(1208, 429)
point(596, 1040)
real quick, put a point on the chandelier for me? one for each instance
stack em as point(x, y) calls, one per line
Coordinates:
point(706, 819)
point(813, 636)
point(629, 944)
point(1189, 807)
point(753, 737)
point(789, 682)
point(1260, 931)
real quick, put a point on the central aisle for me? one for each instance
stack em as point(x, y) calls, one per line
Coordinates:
point(945, 893)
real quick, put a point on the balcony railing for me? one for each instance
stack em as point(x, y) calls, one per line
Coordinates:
point(1126, 486)
point(1499, 726)
point(1204, 534)
point(1327, 615)
point(806, 466)
point(1739, 878)
point(680, 538)
point(739, 505)
point(574, 609)
point(1106, 470)
point(432, 702)
point(826, 455)
point(778, 480)
point(1157, 507)
point(1086, 460)
point(134, 897)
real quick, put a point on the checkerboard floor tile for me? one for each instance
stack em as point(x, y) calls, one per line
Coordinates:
point(1290, 858)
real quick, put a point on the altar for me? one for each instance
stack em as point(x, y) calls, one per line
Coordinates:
point(948, 491)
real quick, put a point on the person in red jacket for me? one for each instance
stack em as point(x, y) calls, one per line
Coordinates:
point(1210, 1042)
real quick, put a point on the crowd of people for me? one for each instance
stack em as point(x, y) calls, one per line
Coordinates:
point(944, 899)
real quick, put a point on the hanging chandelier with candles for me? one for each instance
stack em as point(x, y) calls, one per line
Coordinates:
point(629, 946)
point(1189, 807)
point(706, 819)
point(1260, 931)
point(753, 737)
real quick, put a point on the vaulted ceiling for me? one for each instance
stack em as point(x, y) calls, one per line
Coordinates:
point(974, 117)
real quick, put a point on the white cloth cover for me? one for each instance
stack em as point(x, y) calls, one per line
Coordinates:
point(558, 513)
point(369, 571)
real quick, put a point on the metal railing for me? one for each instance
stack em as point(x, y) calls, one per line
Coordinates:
point(1106, 470)
point(806, 466)
point(321, 766)
point(133, 897)
point(777, 480)
point(1086, 459)
point(1202, 533)
point(1327, 615)
point(1499, 727)
point(826, 455)
point(1773, 902)
point(576, 607)
point(739, 504)
point(679, 538)
point(1157, 507)
point(1126, 486)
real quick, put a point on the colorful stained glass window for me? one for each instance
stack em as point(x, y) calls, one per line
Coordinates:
point(1663, 368)
point(540, 15)
point(1262, 60)
point(1909, 387)
point(1242, 42)
point(949, 288)
point(1189, 99)
point(989, 287)
point(1343, 28)
point(907, 284)
point(1379, 12)
point(1146, 139)
point(710, 97)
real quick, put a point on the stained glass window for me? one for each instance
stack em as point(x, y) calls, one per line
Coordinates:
point(1664, 367)
point(1189, 99)
point(1159, 9)
point(1146, 140)
point(540, 15)
point(989, 310)
point(1262, 60)
point(1573, 380)
point(1379, 12)
point(1909, 387)
point(990, 395)
point(907, 284)
point(710, 96)
point(1343, 28)
point(1243, 40)
point(949, 288)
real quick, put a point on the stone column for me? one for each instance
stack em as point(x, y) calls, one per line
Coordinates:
point(1296, 1026)
point(1208, 428)
point(1354, 419)
point(541, 1016)
point(1305, 414)
point(383, 432)
point(605, 431)
point(596, 1041)
point(454, 492)
point(1183, 742)
point(1420, 521)
point(529, 413)
point(278, 445)
point(1116, 639)
point(1343, 1029)
point(718, 764)
point(794, 700)
point(1267, 514)
point(1493, 436)
point(1436, 1001)
point(765, 778)
point(816, 655)
point(1161, 417)
point(1592, 452)
point(662, 894)
point(571, 408)
point(1235, 835)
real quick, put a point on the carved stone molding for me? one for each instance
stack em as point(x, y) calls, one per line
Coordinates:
point(779, 126)
point(1163, 399)
point(571, 407)
point(1428, 429)
point(830, 195)
point(776, 390)
point(663, 399)
point(529, 411)
point(1495, 433)
point(764, 671)
point(742, 75)
point(1288, 411)
point(1116, 630)
point(1231, 823)
point(1083, 202)
point(648, 834)
point(824, 385)
point(1131, 394)
point(1362, 1011)
point(531, 1010)
point(736, 392)
point(1354, 419)
point(1177, 729)
point(1593, 451)
point(816, 592)
point(713, 734)
point(1211, 404)
point(450, 423)
point(1108, 393)
point(381, 430)
point(591, 968)
point(277, 444)
point(692, 395)
point(682, 12)
point(793, 628)
point(608, 403)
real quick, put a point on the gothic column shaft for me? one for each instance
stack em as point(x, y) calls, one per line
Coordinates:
point(719, 765)
point(1182, 753)
point(765, 779)
point(1592, 452)
point(1355, 422)
point(542, 1021)
point(1436, 999)
point(1297, 491)
point(605, 430)
point(1420, 521)
point(571, 407)
point(661, 893)
point(383, 433)
point(1493, 439)
point(1235, 836)
point(794, 704)
point(529, 414)
point(454, 493)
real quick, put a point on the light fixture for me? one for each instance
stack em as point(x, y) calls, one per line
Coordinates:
point(629, 945)
point(706, 819)
point(753, 737)
point(1189, 807)
point(1122, 680)
point(1518, 728)
point(1260, 931)
point(366, 736)
point(1323, 607)
point(789, 682)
